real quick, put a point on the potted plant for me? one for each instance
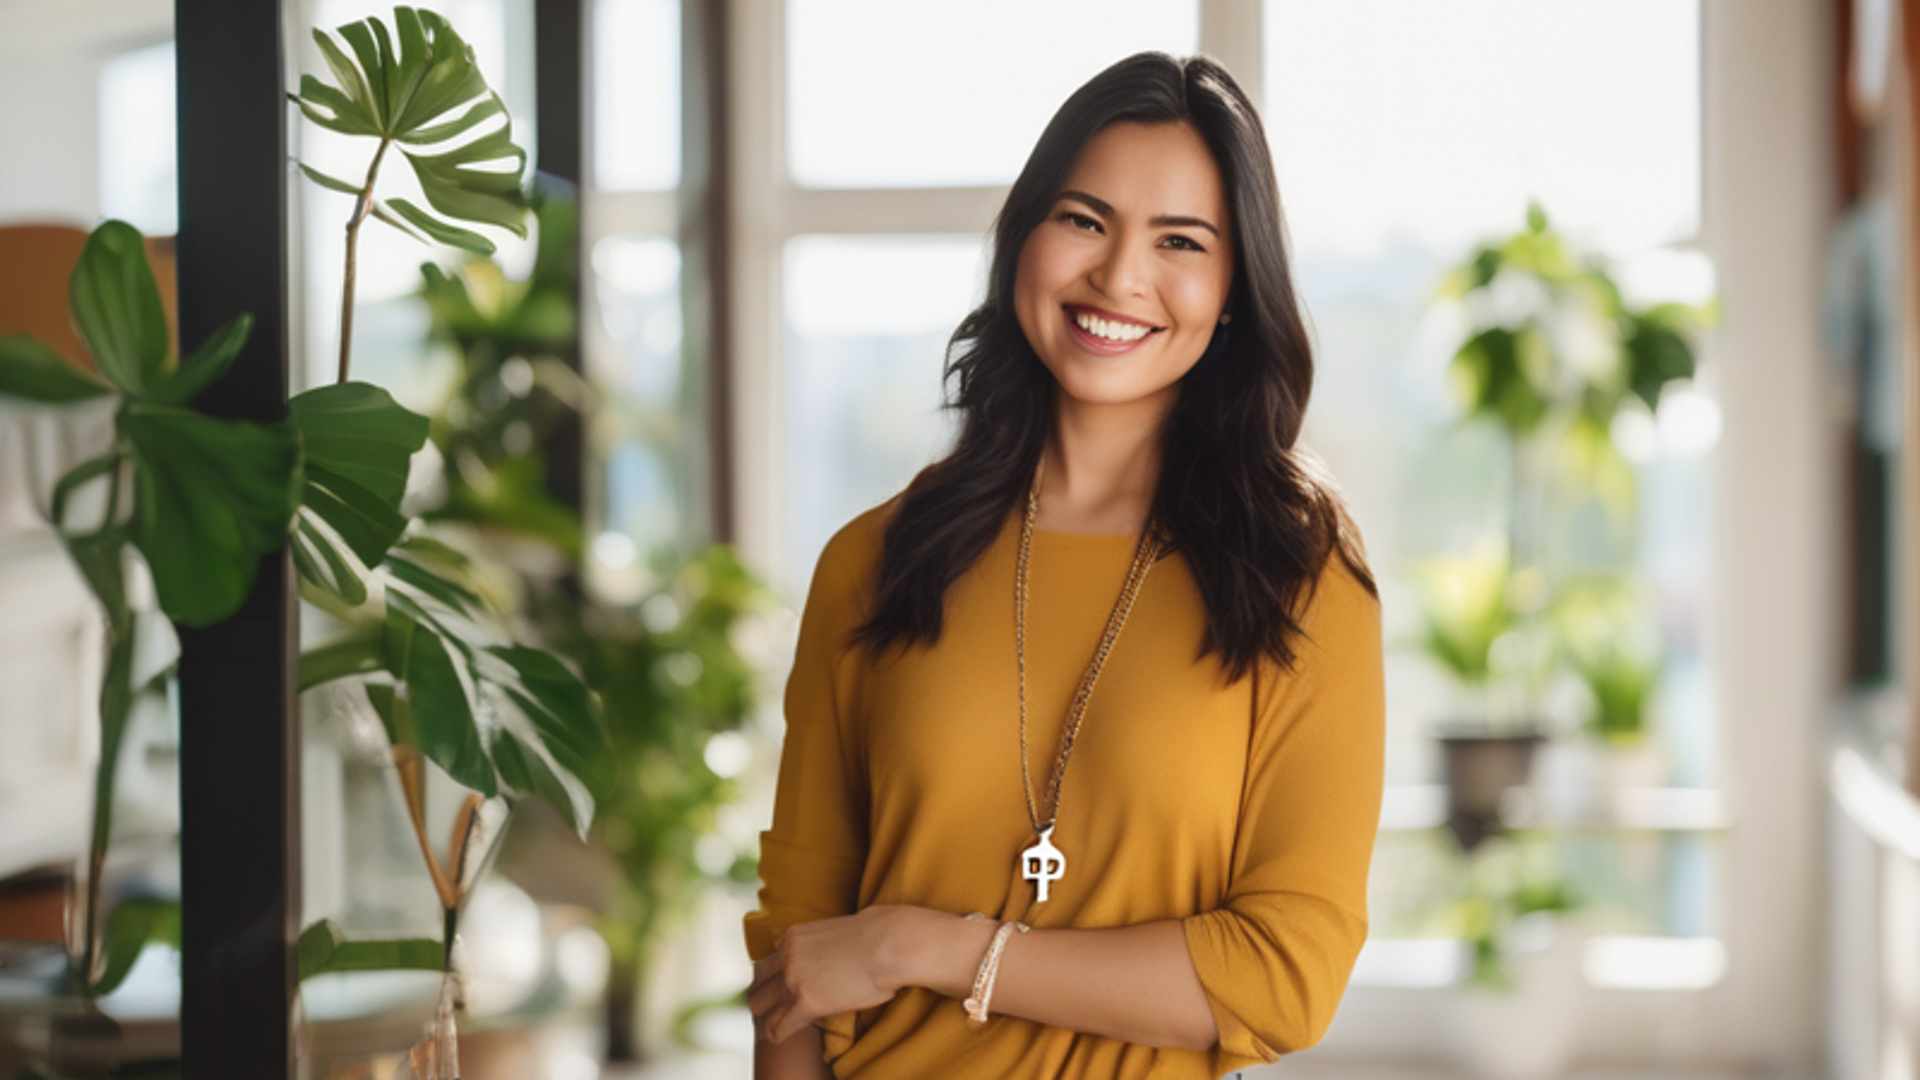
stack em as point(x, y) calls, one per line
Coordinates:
point(675, 685)
point(1515, 1016)
point(197, 501)
point(1552, 355)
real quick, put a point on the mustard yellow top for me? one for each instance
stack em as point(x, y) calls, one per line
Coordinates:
point(1246, 809)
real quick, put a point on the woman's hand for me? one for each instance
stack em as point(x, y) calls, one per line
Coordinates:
point(840, 965)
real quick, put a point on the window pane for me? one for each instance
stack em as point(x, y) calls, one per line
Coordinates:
point(1387, 190)
point(138, 175)
point(1439, 131)
point(647, 430)
point(886, 94)
point(867, 322)
point(636, 94)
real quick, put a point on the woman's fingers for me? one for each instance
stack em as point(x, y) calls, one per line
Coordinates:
point(766, 968)
point(769, 990)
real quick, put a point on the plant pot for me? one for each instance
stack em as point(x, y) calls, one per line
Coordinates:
point(1481, 767)
point(1527, 1031)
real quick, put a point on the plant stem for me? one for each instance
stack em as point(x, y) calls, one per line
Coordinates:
point(361, 209)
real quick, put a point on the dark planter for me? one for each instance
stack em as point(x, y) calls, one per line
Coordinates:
point(1481, 767)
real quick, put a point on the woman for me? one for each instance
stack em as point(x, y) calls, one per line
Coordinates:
point(1110, 670)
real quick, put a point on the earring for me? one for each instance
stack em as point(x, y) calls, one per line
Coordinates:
point(1226, 318)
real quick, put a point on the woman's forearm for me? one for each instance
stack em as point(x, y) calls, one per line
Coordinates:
point(799, 1058)
point(1135, 983)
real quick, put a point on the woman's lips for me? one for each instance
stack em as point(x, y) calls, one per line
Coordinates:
point(1094, 343)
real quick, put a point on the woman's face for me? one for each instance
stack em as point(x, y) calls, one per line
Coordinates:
point(1121, 287)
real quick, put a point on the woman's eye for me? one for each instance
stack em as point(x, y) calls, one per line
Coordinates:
point(1080, 221)
point(1184, 243)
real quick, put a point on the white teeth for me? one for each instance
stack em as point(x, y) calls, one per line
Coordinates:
point(1110, 329)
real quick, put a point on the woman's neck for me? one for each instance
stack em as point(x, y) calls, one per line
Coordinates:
point(1102, 465)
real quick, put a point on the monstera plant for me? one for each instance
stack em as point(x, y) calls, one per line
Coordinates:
point(200, 500)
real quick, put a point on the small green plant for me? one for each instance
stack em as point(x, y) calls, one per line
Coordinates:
point(1599, 624)
point(1463, 602)
point(1500, 883)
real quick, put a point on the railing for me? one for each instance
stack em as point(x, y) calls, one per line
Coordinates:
point(1873, 897)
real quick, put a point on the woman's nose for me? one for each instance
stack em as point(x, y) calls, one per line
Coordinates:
point(1122, 271)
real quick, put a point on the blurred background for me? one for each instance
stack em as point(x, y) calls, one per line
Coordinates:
point(1615, 356)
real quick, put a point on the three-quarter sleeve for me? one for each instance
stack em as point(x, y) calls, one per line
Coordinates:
point(1275, 958)
point(812, 857)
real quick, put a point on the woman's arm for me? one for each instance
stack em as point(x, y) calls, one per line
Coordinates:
point(1135, 983)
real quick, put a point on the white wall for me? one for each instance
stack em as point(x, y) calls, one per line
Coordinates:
point(50, 57)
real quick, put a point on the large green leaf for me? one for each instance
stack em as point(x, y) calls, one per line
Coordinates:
point(446, 725)
point(324, 947)
point(204, 366)
point(116, 307)
point(357, 431)
point(214, 496)
point(368, 524)
point(31, 370)
point(359, 444)
point(493, 715)
point(552, 741)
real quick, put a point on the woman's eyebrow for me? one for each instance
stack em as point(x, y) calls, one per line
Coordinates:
point(1105, 209)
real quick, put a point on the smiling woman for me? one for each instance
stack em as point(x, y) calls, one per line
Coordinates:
point(1165, 878)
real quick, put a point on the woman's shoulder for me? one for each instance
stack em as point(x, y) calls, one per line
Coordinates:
point(852, 556)
point(1340, 608)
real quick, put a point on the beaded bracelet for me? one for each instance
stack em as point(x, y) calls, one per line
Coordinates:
point(976, 1005)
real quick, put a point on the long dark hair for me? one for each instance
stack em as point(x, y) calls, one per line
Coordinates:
point(1254, 516)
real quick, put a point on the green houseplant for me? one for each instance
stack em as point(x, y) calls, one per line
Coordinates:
point(1552, 355)
point(673, 682)
point(200, 500)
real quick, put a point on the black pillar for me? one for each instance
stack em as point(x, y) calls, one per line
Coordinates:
point(239, 793)
point(706, 239)
point(560, 110)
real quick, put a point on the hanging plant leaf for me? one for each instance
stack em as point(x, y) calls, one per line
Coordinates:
point(213, 496)
point(116, 308)
point(429, 95)
point(32, 371)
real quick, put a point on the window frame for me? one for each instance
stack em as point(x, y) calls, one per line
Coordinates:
point(1766, 1006)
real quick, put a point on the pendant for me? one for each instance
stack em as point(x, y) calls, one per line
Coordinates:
point(1043, 864)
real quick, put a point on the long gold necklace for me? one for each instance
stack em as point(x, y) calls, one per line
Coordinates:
point(1043, 863)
